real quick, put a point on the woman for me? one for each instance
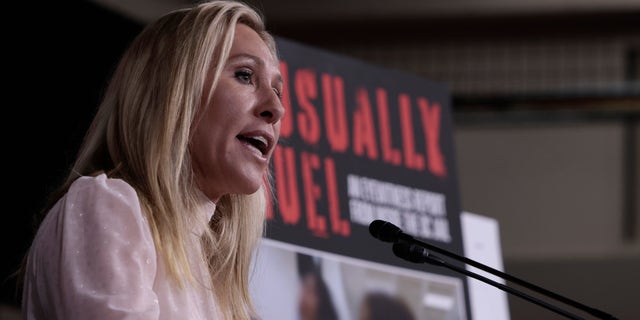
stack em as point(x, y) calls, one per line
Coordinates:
point(164, 206)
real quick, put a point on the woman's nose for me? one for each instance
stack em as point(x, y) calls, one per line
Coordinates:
point(271, 108)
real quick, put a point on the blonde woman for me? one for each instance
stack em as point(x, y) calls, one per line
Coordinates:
point(165, 204)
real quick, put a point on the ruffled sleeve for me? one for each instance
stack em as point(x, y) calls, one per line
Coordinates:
point(94, 256)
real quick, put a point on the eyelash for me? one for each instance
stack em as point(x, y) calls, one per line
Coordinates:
point(245, 77)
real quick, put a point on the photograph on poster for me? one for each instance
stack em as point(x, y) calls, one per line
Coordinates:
point(291, 282)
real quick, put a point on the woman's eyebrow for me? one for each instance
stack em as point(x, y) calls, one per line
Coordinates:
point(256, 60)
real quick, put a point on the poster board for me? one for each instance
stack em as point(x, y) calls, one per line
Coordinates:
point(360, 143)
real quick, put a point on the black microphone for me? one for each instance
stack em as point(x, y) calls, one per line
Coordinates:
point(408, 248)
point(385, 231)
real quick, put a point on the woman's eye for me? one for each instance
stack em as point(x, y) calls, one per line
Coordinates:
point(244, 76)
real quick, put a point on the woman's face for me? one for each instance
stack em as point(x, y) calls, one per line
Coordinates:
point(235, 134)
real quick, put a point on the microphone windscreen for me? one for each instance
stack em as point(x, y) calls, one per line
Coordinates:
point(384, 230)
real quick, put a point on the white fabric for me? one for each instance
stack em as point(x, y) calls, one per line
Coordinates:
point(94, 258)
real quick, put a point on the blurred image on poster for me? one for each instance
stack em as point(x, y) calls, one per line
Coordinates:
point(314, 301)
point(378, 305)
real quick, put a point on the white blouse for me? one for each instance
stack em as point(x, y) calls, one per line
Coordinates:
point(93, 257)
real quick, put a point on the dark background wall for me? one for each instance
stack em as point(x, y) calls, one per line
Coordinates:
point(60, 59)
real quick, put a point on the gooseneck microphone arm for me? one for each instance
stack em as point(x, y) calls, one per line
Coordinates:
point(414, 253)
point(388, 232)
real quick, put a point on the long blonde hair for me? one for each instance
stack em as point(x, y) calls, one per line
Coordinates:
point(141, 134)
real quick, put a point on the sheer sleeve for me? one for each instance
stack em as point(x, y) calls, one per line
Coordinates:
point(94, 255)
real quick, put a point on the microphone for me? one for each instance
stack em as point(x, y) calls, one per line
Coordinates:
point(408, 248)
point(385, 231)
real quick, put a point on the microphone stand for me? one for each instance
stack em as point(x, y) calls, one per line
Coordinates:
point(388, 232)
point(414, 253)
point(595, 312)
